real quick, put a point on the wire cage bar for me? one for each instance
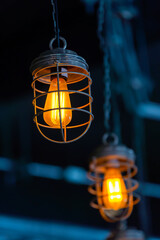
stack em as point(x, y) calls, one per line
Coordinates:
point(62, 95)
point(110, 163)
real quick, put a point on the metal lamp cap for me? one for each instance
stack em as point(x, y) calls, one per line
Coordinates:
point(58, 55)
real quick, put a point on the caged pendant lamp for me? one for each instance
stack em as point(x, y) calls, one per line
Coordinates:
point(112, 169)
point(62, 92)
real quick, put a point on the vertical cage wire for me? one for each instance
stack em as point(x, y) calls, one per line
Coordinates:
point(42, 75)
point(97, 170)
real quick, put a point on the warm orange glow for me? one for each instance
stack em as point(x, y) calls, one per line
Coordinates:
point(52, 118)
point(114, 190)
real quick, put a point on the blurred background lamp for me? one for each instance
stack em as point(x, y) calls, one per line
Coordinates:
point(112, 168)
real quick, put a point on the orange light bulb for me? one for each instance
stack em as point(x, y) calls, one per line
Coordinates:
point(52, 118)
point(114, 190)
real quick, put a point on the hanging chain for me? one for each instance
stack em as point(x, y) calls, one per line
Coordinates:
point(103, 45)
point(55, 20)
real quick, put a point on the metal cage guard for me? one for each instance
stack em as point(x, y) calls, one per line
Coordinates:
point(54, 64)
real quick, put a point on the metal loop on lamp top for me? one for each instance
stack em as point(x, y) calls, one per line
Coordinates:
point(53, 40)
point(111, 138)
point(112, 169)
point(62, 90)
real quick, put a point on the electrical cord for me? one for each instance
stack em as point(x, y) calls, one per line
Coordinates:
point(55, 20)
point(107, 80)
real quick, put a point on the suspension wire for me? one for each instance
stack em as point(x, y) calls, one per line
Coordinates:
point(107, 80)
point(107, 92)
point(100, 30)
point(55, 20)
point(116, 116)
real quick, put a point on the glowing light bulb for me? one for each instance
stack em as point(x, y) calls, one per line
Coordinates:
point(52, 118)
point(114, 190)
